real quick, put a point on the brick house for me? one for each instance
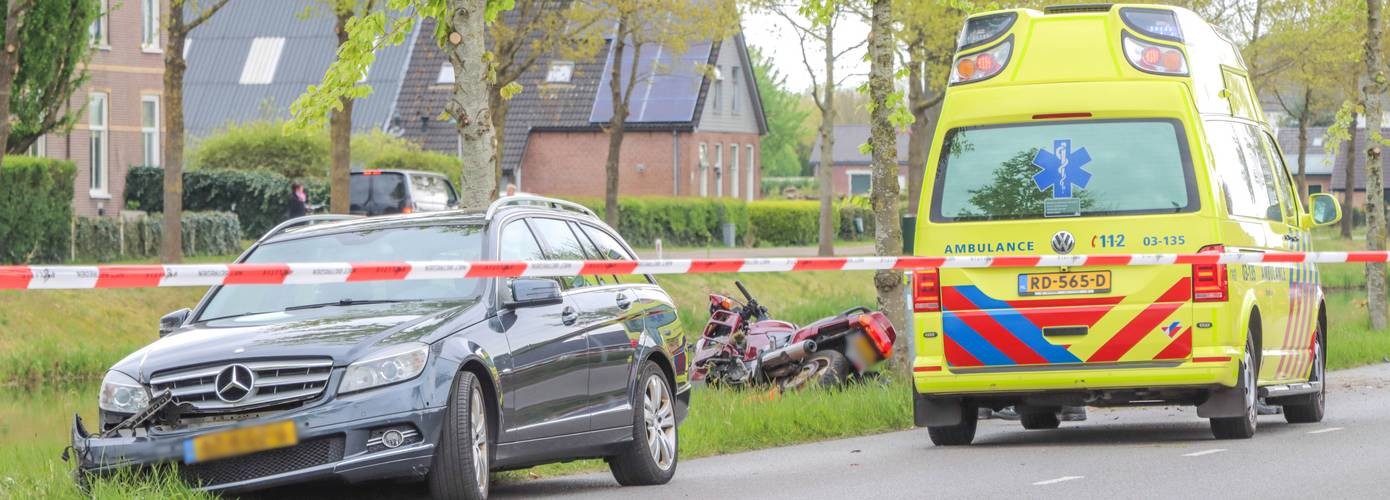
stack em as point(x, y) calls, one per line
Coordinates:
point(120, 126)
point(852, 170)
point(690, 133)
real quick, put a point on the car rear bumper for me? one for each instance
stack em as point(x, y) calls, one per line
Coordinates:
point(1209, 366)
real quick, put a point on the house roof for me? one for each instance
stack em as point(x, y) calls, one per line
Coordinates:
point(218, 52)
point(846, 147)
point(1317, 161)
point(1339, 174)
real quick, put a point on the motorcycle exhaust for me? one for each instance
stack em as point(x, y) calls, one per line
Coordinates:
point(789, 354)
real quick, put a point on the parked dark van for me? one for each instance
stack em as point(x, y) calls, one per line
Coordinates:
point(383, 192)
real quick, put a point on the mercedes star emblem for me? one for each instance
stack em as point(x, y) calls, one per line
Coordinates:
point(234, 383)
point(1063, 242)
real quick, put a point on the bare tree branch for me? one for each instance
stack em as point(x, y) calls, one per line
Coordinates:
point(203, 17)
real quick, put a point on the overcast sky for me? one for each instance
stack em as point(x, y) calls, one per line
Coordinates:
point(771, 34)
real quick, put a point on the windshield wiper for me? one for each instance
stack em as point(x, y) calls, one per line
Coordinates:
point(343, 302)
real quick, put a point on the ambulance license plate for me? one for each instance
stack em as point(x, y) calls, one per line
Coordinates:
point(1085, 282)
point(241, 441)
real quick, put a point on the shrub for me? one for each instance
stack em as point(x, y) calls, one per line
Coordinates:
point(35, 209)
point(776, 187)
point(260, 199)
point(264, 145)
point(104, 239)
point(677, 221)
point(778, 222)
point(847, 214)
point(377, 149)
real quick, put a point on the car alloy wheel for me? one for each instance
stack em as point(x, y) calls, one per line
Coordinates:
point(480, 452)
point(660, 420)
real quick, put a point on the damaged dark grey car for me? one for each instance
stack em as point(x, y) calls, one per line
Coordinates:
point(440, 379)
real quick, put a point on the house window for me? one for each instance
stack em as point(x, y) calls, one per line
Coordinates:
point(261, 60)
point(39, 148)
point(702, 171)
point(149, 129)
point(733, 93)
point(719, 170)
point(1314, 188)
point(752, 173)
point(446, 73)
point(733, 169)
point(149, 25)
point(97, 154)
point(560, 72)
point(97, 31)
point(859, 183)
point(718, 91)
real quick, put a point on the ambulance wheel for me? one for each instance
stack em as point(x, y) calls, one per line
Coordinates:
point(960, 434)
point(1242, 427)
point(1311, 410)
point(1039, 420)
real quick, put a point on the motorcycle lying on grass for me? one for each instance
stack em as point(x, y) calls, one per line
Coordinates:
point(742, 345)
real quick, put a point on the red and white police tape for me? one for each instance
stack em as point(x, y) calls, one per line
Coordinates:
point(150, 276)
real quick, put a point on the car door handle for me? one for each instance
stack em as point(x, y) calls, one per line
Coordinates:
point(623, 301)
point(569, 315)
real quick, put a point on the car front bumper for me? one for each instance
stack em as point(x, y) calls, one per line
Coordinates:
point(333, 444)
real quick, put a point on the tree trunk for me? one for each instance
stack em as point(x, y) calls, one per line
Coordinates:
point(616, 124)
point(171, 241)
point(1303, 118)
point(827, 148)
point(1349, 183)
point(1375, 184)
point(883, 142)
point(9, 65)
point(340, 134)
point(499, 124)
point(469, 104)
point(918, 139)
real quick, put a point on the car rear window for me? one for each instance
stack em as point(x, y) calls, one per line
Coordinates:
point(388, 189)
point(432, 189)
point(1064, 169)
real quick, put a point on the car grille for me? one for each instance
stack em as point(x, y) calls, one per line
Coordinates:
point(266, 463)
point(276, 383)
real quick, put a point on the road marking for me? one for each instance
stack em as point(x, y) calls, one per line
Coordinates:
point(1058, 480)
point(1329, 429)
point(1204, 452)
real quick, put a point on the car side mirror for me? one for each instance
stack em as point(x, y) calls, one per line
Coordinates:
point(530, 292)
point(173, 321)
point(1325, 209)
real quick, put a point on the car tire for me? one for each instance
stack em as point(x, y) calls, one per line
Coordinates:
point(1040, 420)
point(1311, 410)
point(960, 434)
point(652, 457)
point(1243, 427)
point(460, 466)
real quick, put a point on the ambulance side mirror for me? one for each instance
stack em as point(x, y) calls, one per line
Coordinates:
point(1325, 210)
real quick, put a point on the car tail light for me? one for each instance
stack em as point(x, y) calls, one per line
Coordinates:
point(983, 64)
point(1155, 58)
point(1209, 280)
point(371, 172)
point(926, 290)
point(408, 210)
point(880, 330)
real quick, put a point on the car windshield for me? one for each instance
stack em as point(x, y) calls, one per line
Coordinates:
point(1064, 169)
point(422, 243)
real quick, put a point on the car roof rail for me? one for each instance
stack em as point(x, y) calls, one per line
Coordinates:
point(518, 200)
point(305, 220)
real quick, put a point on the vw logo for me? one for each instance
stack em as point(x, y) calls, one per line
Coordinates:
point(1063, 242)
point(234, 383)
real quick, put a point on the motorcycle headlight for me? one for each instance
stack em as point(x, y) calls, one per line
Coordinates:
point(122, 394)
point(385, 367)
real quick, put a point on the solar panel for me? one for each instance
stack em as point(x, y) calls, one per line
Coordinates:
point(667, 88)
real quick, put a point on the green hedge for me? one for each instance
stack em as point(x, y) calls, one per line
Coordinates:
point(776, 186)
point(846, 230)
point(776, 223)
point(264, 145)
point(104, 239)
point(259, 198)
point(35, 209)
point(677, 221)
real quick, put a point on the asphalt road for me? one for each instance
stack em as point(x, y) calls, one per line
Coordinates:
point(1163, 452)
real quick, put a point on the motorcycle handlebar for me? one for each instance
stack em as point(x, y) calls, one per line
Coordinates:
point(746, 295)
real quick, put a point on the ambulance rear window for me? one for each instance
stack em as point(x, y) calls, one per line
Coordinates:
point(1064, 169)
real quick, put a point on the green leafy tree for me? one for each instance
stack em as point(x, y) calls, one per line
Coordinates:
point(886, 114)
point(785, 120)
point(51, 68)
point(1373, 88)
point(459, 30)
point(927, 35)
point(264, 145)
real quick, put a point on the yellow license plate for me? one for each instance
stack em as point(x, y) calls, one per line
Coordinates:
point(1064, 283)
point(241, 441)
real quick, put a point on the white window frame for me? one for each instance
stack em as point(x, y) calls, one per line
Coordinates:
point(149, 25)
point(39, 148)
point(566, 75)
point(733, 170)
point(704, 169)
point(149, 136)
point(753, 187)
point(102, 24)
point(262, 59)
point(719, 170)
point(849, 177)
point(99, 146)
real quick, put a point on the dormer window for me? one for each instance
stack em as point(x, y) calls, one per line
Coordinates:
point(560, 72)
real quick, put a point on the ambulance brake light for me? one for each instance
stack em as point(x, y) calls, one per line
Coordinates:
point(983, 64)
point(1209, 283)
point(1154, 58)
point(926, 290)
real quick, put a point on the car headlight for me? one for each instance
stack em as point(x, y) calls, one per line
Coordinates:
point(122, 394)
point(385, 367)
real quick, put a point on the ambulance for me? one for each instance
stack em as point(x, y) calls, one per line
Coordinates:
point(1111, 130)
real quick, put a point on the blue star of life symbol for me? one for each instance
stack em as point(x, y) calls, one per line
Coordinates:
point(1061, 168)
